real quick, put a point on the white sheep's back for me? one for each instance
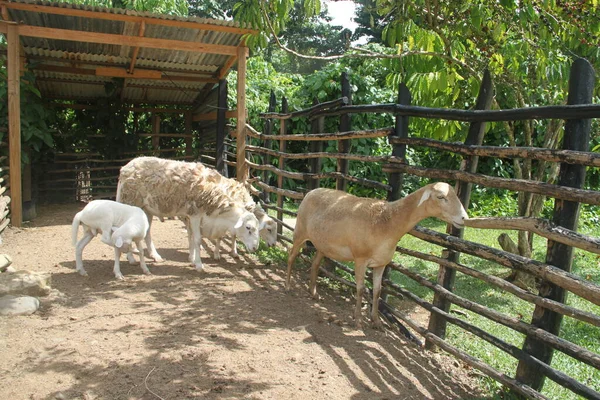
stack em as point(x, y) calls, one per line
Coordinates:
point(167, 188)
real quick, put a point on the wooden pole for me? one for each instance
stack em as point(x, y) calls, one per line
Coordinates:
point(396, 179)
point(14, 124)
point(446, 276)
point(282, 148)
point(241, 167)
point(317, 126)
point(221, 122)
point(345, 126)
point(268, 130)
point(155, 132)
point(188, 131)
point(566, 214)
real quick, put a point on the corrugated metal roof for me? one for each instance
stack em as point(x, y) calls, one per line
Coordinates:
point(66, 69)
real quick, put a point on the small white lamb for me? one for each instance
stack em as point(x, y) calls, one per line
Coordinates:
point(119, 224)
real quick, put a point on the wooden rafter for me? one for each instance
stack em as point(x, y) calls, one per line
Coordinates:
point(137, 49)
point(124, 40)
point(125, 18)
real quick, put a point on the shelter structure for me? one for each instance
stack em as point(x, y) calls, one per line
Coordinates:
point(155, 63)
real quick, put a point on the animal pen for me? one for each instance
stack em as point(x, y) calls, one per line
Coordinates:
point(542, 333)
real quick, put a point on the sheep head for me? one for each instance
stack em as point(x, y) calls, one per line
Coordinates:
point(443, 203)
point(246, 230)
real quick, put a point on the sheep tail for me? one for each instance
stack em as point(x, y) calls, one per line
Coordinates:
point(75, 228)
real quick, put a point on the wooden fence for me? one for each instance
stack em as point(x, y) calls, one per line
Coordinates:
point(85, 173)
point(542, 333)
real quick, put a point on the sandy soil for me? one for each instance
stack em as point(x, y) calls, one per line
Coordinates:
point(230, 332)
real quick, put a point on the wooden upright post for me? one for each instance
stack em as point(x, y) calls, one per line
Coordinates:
point(221, 122)
point(345, 126)
point(14, 124)
point(188, 131)
point(399, 150)
point(566, 214)
point(268, 130)
point(155, 132)
point(316, 146)
point(241, 166)
point(282, 148)
point(447, 276)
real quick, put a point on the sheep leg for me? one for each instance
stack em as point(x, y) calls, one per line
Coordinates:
point(291, 258)
point(117, 267)
point(150, 245)
point(377, 280)
point(234, 252)
point(143, 265)
point(359, 276)
point(196, 242)
point(216, 248)
point(314, 273)
point(87, 237)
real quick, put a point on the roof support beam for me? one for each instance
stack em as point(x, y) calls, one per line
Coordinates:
point(137, 49)
point(14, 123)
point(113, 16)
point(124, 40)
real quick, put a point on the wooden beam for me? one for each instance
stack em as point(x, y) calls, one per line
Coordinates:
point(124, 17)
point(14, 123)
point(137, 49)
point(241, 167)
point(125, 40)
point(225, 68)
point(212, 116)
point(119, 73)
point(123, 73)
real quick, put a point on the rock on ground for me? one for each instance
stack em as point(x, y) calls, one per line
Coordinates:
point(18, 305)
point(25, 283)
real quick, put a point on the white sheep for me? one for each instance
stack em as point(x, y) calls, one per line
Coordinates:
point(344, 227)
point(119, 224)
point(168, 188)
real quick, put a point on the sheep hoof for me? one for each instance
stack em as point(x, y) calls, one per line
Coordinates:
point(378, 326)
point(82, 272)
point(199, 267)
point(147, 273)
point(120, 277)
point(158, 259)
point(217, 256)
point(235, 255)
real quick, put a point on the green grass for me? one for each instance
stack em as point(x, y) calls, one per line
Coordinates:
point(584, 264)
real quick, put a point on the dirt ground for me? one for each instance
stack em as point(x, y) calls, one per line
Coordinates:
point(230, 332)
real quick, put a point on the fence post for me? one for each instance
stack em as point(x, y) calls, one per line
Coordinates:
point(566, 214)
point(399, 150)
point(317, 126)
point(220, 165)
point(345, 126)
point(155, 132)
point(282, 148)
point(446, 276)
point(266, 159)
point(396, 179)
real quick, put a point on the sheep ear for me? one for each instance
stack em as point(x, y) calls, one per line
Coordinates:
point(425, 196)
point(239, 223)
point(119, 242)
point(262, 224)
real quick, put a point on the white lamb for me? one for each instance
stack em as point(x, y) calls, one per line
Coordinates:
point(119, 224)
point(168, 188)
